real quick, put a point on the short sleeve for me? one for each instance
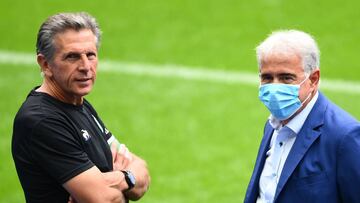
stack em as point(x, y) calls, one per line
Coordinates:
point(55, 148)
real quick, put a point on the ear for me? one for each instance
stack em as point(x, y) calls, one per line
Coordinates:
point(44, 65)
point(315, 78)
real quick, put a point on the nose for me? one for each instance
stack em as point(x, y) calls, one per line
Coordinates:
point(84, 63)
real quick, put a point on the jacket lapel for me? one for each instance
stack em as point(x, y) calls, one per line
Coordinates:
point(253, 189)
point(307, 135)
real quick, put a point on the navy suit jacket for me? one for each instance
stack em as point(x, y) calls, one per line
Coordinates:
point(324, 163)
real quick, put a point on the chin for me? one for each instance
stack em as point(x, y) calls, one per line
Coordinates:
point(83, 91)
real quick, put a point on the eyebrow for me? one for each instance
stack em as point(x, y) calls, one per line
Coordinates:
point(70, 53)
point(278, 75)
point(65, 55)
point(287, 74)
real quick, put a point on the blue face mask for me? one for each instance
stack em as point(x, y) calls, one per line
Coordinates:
point(282, 100)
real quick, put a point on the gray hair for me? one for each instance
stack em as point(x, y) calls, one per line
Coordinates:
point(290, 42)
point(60, 23)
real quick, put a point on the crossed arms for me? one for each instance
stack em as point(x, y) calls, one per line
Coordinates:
point(94, 186)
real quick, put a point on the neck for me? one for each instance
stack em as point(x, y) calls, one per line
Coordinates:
point(53, 90)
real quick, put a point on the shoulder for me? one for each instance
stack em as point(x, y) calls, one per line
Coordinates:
point(338, 118)
point(41, 114)
point(36, 108)
point(333, 116)
point(339, 126)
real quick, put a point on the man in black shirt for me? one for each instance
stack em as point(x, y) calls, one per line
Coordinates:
point(62, 150)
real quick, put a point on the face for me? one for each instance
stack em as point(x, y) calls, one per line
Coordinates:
point(72, 71)
point(289, 70)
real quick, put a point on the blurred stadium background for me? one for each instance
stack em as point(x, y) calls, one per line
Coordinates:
point(199, 135)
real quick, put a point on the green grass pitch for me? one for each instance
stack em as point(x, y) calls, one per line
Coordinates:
point(200, 138)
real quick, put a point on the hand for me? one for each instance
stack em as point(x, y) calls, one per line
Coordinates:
point(121, 156)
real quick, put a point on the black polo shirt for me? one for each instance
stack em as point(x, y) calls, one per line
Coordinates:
point(53, 142)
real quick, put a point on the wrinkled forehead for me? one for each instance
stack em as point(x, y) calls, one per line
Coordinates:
point(74, 38)
point(280, 58)
point(279, 64)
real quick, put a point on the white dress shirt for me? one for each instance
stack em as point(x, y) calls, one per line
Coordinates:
point(281, 143)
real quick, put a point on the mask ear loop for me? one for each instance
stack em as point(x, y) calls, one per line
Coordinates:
point(302, 103)
point(307, 77)
point(302, 82)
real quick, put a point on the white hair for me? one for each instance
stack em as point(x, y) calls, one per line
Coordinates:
point(290, 42)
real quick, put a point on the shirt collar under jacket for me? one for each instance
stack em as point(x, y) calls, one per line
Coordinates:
point(298, 121)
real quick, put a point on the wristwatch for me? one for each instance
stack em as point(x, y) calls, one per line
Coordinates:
point(130, 179)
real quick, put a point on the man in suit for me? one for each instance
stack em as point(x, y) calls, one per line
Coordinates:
point(310, 151)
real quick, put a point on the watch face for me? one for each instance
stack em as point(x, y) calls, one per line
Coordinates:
point(132, 178)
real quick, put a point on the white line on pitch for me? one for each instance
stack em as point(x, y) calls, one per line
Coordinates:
point(183, 72)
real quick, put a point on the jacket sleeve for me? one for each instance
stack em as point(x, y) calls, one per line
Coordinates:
point(348, 166)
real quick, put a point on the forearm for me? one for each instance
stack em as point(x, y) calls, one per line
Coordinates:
point(94, 186)
point(124, 160)
point(139, 169)
point(116, 180)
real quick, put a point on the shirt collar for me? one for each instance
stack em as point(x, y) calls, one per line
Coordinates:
point(298, 121)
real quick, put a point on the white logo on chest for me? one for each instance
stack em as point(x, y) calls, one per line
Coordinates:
point(85, 134)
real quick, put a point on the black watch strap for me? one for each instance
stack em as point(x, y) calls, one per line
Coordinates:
point(130, 179)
